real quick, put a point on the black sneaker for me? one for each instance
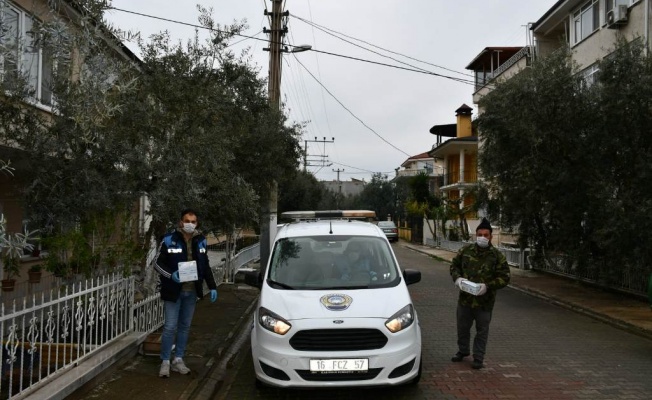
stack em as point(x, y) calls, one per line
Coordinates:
point(458, 357)
point(477, 364)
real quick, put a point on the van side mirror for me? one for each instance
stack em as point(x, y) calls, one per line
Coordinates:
point(411, 276)
point(253, 278)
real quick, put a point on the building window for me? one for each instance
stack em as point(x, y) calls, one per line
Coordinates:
point(481, 78)
point(586, 20)
point(590, 74)
point(21, 52)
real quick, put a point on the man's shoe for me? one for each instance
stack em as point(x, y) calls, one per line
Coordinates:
point(179, 366)
point(164, 372)
point(458, 357)
point(477, 364)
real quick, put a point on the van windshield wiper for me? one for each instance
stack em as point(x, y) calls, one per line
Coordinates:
point(282, 285)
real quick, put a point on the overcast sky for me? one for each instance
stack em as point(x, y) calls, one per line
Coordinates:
point(390, 110)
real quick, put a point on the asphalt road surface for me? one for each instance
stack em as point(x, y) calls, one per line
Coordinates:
point(536, 351)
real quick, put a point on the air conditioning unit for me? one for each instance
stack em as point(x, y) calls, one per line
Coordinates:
point(617, 16)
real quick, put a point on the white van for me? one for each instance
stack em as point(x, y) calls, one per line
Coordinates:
point(334, 307)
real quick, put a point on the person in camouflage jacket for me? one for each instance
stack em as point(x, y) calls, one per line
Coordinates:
point(483, 264)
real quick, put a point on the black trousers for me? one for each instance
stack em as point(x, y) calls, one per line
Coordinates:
point(465, 318)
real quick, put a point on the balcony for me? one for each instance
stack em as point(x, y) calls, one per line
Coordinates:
point(416, 171)
point(457, 180)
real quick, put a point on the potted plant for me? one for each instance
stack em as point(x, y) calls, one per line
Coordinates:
point(12, 247)
point(11, 267)
point(35, 272)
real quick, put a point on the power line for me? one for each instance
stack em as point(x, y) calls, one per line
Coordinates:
point(323, 101)
point(184, 23)
point(466, 81)
point(469, 82)
point(365, 171)
point(349, 111)
point(324, 29)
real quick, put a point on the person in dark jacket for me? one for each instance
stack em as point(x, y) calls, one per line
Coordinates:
point(185, 246)
point(483, 268)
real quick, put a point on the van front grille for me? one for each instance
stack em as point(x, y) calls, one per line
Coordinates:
point(338, 340)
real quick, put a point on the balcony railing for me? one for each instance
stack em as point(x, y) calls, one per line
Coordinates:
point(466, 176)
point(524, 52)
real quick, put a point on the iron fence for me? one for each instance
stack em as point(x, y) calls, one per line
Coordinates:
point(631, 279)
point(47, 334)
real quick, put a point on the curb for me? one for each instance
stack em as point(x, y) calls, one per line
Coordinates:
point(615, 322)
point(212, 380)
point(620, 324)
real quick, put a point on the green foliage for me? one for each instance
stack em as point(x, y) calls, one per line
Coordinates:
point(189, 126)
point(379, 196)
point(299, 191)
point(12, 247)
point(567, 163)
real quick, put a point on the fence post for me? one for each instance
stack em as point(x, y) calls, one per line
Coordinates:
point(132, 303)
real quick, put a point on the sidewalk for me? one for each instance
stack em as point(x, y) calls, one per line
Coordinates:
point(216, 328)
point(219, 330)
point(616, 309)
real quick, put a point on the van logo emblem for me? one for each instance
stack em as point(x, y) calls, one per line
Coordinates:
point(336, 302)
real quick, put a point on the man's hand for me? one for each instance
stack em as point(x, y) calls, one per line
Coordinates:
point(458, 283)
point(483, 289)
point(175, 277)
point(213, 295)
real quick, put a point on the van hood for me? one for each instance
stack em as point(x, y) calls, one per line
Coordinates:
point(360, 303)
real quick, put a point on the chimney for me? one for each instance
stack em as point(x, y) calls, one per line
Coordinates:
point(464, 123)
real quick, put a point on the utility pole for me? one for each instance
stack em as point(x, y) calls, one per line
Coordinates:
point(339, 184)
point(305, 150)
point(268, 218)
point(277, 30)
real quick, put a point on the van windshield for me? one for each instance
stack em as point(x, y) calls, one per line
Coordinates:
point(333, 262)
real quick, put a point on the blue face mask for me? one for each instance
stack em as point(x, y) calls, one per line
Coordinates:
point(482, 241)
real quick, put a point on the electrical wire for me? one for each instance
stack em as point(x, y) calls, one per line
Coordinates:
point(347, 109)
point(323, 101)
point(324, 29)
point(465, 81)
point(367, 49)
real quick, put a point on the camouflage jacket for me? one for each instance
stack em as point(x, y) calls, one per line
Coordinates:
point(479, 265)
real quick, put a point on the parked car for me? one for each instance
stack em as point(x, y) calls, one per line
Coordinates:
point(390, 229)
point(334, 308)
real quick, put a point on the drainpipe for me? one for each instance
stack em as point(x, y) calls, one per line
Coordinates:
point(647, 27)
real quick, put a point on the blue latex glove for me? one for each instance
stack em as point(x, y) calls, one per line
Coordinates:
point(175, 277)
point(213, 295)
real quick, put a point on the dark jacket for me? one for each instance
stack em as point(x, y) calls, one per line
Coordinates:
point(171, 252)
point(480, 265)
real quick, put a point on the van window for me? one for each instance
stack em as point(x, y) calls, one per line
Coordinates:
point(331, 262)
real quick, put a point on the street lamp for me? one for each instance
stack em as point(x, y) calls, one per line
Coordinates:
point(300, 48)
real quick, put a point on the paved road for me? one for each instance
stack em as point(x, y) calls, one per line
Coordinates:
point(536, 351)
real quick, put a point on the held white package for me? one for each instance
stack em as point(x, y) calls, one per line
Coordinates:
point(470, 287)
point(188, 271)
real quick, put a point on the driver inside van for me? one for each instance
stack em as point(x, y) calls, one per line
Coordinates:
point(355, 263)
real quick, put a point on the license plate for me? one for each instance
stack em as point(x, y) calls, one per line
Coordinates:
point(340, 365)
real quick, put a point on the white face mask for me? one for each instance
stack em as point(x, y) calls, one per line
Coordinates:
point(482, 241)
point(188, 227)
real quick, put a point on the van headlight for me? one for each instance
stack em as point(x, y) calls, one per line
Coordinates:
point(401, 320)
point(272, 322)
